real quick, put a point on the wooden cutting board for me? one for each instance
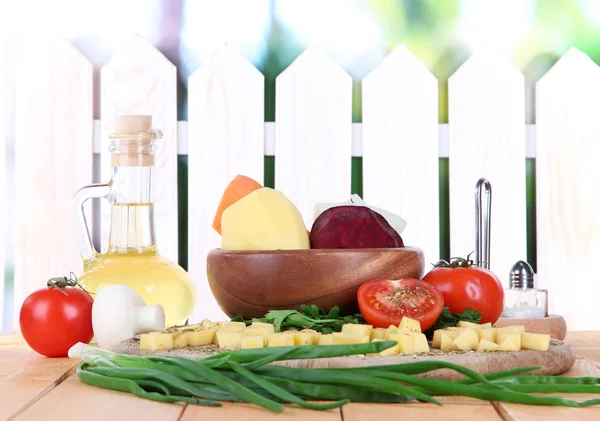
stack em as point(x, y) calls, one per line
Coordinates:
point(558, 359)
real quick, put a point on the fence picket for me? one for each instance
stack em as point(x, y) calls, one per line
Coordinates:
point(313, 126)
point(400, 146)
point(53, 159)
point(568, 206)
point(225, 138)
point(140, 80)
point(487, 139)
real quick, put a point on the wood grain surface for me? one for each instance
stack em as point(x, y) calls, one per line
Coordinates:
point(568, 221)
point(53, 159)
point(140, 80)
point(225, 138)
point(487, 139)
point(400, 146)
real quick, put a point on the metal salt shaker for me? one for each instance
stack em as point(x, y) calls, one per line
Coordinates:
point(522, 300)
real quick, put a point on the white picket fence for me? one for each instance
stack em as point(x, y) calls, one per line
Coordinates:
point(312, 140)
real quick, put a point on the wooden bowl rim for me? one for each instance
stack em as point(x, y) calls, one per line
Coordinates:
point(221, 252)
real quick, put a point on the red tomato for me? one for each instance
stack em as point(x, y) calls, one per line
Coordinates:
point(384, 302)
point(469, 286)
point(52, 322)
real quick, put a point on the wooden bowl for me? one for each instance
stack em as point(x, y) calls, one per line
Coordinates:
point(250, 283)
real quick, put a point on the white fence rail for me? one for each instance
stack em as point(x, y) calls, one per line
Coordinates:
point(312, 140)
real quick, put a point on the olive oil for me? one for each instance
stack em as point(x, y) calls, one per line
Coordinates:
point(132, 257)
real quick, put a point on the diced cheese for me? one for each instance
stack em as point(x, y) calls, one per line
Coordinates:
point(489, 334)
point(390, 331)
point(447, 342)
point(156, 341)
point(535, 341)
point(194, 338)
point(207, 323)
point(348, 338)
point(393, 350)
point(409, 325)
point(280, 339)
point(406, 342)
point(511, 329)
point(437, 336)
point(265, 332)
point(486, 325)
point(326, 339)
point(249, 342)
point(503, 335)
point(421, 344)
point(262, 325)
point(462, 323)
point(302, 338)
point(315, 335)
point(234, 326)
point(229, 339)
point(512, 342)
point(467, 339)
point(357, 329)
point(487, 346)
point(378, 333)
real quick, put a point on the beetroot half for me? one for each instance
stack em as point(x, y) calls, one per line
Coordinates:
point(353, 227)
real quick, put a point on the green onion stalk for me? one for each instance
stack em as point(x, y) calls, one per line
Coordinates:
point(248, 376)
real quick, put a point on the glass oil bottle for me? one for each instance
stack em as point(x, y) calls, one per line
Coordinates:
point(132, 257)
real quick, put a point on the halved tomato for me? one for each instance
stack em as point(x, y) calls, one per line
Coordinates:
point(384, 302)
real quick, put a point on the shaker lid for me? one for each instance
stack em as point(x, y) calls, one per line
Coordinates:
point(522, 275)
point(132, 123)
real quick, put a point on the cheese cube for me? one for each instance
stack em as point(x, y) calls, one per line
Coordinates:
point(447, 342)
point(349, 338)
point(357, 329)
point(462, 323)
point(249, 342)
point(406, 342)
point(156, 341)
point(489, 334)
point(208, 324)
point(511, 342)
point(535, 341)
point(326, 339)
point(229, 339)
point(194, 338)
point(265, 332)
point(280, 339)
point(486, 325)
point(511, 329)
point(377, 333)
point(467, 339)
point(393, 350)
point(234, 326)
point(262, 325)
point(315, 335)
point(302, 338)
point(487, 346)
point(421, 344)
point(390, 331)
point(503, 335)
point(409, 325)
point(437, 336)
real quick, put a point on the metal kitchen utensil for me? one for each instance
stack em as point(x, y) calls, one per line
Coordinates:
point(482, 222)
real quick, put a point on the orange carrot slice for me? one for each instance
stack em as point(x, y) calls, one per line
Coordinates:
point(238, 188)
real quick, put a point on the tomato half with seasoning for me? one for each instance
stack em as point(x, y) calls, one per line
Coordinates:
point(383, 302)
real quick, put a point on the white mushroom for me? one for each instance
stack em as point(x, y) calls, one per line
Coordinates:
point(119, 313)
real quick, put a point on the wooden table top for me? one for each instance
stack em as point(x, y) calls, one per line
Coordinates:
point(37, 388)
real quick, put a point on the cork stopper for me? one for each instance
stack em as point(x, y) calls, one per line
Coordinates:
point(132, 142)
point(132, 123)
